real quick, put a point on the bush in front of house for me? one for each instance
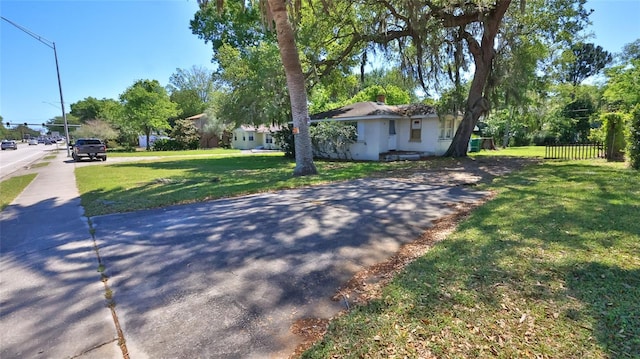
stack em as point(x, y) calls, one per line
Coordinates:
point(332, 139)
point(284, 140)
point(166, 144)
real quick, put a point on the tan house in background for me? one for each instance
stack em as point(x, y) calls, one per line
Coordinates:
point(206, 140)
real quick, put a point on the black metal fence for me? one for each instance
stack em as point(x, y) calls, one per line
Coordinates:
point(575, 151)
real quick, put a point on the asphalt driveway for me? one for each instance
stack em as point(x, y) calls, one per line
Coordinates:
point(227, 278)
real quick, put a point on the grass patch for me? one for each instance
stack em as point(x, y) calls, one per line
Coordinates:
point(49, 157)
point(550, 269)
point(204, 152)
point(173, 180)
point(40, 164)
point(524, 151)
point(12, 187)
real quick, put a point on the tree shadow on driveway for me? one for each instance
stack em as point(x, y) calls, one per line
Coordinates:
point(228, 278)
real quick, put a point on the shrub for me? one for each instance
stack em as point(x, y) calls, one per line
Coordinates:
point(167, 145)
point(285, 140)
point(332, 139)
point(613, 126)
point(186, 134)
point(633, 139)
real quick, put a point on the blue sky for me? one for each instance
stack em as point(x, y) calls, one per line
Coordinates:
point(104, 46)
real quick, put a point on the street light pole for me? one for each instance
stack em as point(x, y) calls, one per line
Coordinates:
point(51, 45)
point(64, 115)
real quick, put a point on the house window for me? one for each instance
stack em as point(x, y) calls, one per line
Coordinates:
point(446, 128)
point(268, 139)
point(251, 137)
point(416, 130)
point(235, 137)
point(244, 138)
point(392, 127)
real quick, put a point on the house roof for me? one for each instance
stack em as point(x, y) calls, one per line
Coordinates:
point(261, 128)
point(366, 110)
point(196, 117)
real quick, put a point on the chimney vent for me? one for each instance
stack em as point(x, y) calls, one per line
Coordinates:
point(380, 98)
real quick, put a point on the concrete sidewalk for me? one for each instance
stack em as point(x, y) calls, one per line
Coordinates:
point(219, 279)
point(52, 302)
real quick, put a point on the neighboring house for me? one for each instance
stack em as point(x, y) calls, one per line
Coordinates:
point(207, 140)
point(390, 132)
point(142, 140)
point(248, 137)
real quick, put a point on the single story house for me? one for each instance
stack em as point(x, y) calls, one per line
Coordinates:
point(248, 137)
point(392, 131)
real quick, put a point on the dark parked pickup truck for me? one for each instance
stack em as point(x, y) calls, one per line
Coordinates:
point(89, 148)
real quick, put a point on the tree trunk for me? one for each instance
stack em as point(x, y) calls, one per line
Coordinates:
point(147, 132)
point(483, 54)
point(296, 86)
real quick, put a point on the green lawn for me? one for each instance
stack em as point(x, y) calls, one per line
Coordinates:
point(211, 151)
point(171, 180)
point(550, 268)
point(12, 187)
point(524, 151)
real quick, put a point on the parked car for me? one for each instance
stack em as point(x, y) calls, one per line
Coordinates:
point(48, 142)
point(9, 145)
point(33, 142)
point(89, 148)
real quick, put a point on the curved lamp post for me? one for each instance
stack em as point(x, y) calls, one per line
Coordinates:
point(51, 45)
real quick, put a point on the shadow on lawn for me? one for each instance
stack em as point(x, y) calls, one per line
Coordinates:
point(528, 273)
point(612, 295)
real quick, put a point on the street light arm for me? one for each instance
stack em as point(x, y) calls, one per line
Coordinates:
point(30, 33)
point(52, 45)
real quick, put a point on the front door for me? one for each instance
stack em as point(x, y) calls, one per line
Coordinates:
point(392, 136)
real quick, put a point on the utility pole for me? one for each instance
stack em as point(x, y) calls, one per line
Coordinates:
point(51, 45)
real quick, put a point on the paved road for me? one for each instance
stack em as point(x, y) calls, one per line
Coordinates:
point(221, 279)
point(12, 161)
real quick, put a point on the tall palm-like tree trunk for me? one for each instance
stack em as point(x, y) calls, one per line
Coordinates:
point(295, 83)
point(296, 86)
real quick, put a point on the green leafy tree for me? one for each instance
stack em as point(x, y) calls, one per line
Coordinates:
point(393, 95)
point(186, 134)
point(392, 77)
point(146, 107)
point(93, 109)
point(623, 88)
point(630, 51)
point(97, 129)
point(585, 60)
point(191, 90)
point(256, 90)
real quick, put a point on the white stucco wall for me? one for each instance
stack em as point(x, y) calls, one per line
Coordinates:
point(376, 138)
